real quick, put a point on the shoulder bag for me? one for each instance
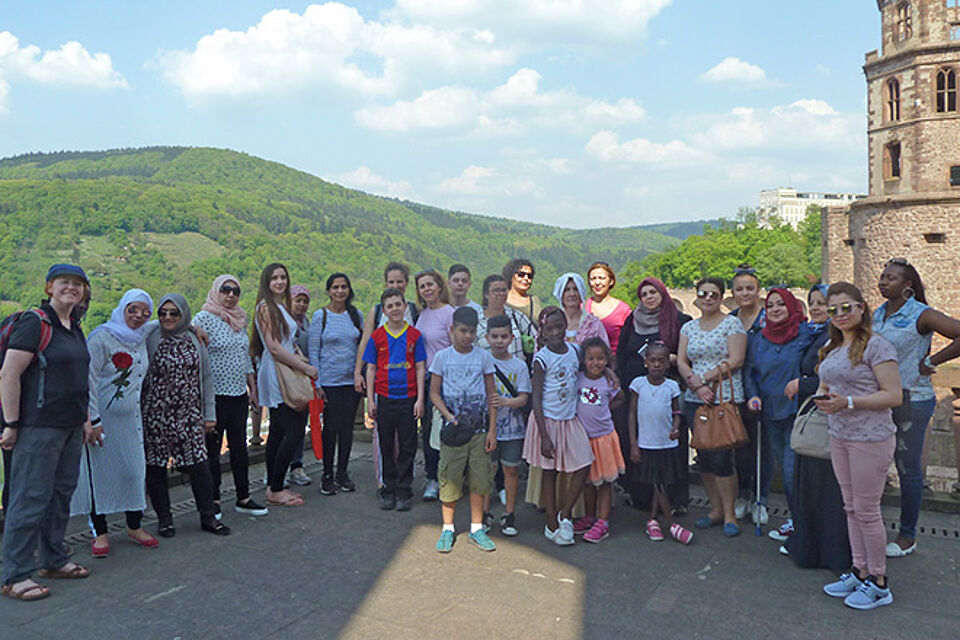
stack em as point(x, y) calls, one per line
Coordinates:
point(295, 386)
point(809, 436)
point(718, 426)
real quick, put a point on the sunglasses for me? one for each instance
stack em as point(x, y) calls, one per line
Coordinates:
point(227, 289)
point(527, 275)
point(708, 295)
point(900, 261)
point(163, 313)
point(841, 309)
point(745, 272)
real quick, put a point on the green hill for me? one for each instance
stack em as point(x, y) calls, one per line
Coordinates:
point(172, 218)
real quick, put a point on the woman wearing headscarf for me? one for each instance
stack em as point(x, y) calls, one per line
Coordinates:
point(179, 408)
point(112, 475)
point(570, 291)
point(773, 360)
point(234, 384)
point(655, 318)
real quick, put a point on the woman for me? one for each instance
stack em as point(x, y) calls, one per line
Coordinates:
point(495, 290)
point(860, 382)
point(45, 437)
point(436, 318)
point(773, 359)
point(655, 318)
point(908, 323)
point(570, 290)
point(113, 475)
point(519, 273)
point(179, 409)
point(334, 334)
point(234, 384)
point(299, 307)
point(819, 537)
point(611, 311)
point(273, 341)
point(708, 347)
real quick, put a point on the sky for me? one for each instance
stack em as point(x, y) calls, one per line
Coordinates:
point(580, 113)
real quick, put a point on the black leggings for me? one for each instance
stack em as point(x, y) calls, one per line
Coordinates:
point(286, 434)
point(338, 416)
point(100, 521)
point(200, 483)
point(232, 420)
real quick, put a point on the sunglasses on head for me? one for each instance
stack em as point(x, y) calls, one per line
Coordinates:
point(708, 295)
point(227, 289)
point(525, 274)
point(900, 261)
point(163, 313)
point(841, 309)
point(750, 271)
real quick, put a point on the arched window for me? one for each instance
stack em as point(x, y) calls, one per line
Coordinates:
point(903, 28)
point(946, 91)
point(893, 100)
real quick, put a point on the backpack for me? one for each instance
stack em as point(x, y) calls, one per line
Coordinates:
point(378, 313)
point(46, 334)
point(354, 317)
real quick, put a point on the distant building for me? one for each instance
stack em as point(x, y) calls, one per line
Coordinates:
point(791, 205)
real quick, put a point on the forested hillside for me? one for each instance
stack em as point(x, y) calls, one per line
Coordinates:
point(171, 218)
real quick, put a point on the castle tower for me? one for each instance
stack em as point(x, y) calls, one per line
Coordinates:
point(913, 127)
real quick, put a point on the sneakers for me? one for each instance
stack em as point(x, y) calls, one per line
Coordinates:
point(482, 540)
point(445, 543)
point(846, 584)
point(250, 508)
point(299, 477)
point(488, 521)
point(897, 549)
point(556, 537)
point(599, 531)
point(345, 484)
point(759, 514)
point(404, 504)
point(740, 507)
point(582, 525)
point(508, 525)
point(783, 550)
point(654, 532)
point(784, 532)
point(388, 501)
point(868, 596)
point(681, 535)
point(431, 491)
point(327, 487)
point(566, 528)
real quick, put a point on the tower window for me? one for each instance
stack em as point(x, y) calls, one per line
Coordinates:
point(891, 161)
point(903, 28)
point(946, 91)
point(955, 176)
point(955, 31)
point(935, 238)
point(893, 100)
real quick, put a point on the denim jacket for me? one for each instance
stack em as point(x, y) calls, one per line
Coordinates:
point(770, 366)
point(911, 345)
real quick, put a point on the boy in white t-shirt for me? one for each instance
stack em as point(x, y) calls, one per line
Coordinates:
point(463, 391)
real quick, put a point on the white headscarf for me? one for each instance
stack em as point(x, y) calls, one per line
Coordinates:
point(117, 324)
point(561, 284)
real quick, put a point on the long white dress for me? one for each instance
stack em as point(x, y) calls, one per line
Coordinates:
point(113, 475)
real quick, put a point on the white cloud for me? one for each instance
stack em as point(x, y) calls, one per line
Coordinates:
point(329, 45)
point(436, 109)
point(606, 146)
point(734, 70)
point(364, 179)
point(489, 181)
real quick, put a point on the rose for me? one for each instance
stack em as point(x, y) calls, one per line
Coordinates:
point(122, 360)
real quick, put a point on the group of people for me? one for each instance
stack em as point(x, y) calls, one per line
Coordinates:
point(588, 392)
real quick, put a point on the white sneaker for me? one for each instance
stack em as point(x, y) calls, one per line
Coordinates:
point(894, 550)
point(759, 514)
point(784, 550)
point(740, 508)
point(503, 497)
point(565, 529)
point(299, 477)
point(556, 537)
point(783, 533)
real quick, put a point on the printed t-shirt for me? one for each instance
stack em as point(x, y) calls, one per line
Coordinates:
point(510, 423)
point(593, 410)
point(559, 382)
point(463, 387)
point(395, 357)
point(655, 412)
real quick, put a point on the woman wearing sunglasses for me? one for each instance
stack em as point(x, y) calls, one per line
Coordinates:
point(909, 323)
point(235, 386)
point(519, 273)
point(859, 384)
point(707, 347)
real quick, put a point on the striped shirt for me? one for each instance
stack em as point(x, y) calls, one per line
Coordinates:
point(395, 357)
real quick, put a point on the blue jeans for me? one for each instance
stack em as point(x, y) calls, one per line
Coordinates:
point(910, 436)
point(775, 449)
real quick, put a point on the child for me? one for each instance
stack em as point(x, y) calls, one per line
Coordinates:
point(597, 397)
point(654, 430)
point(512, 380)
point(556, 441)
point(462, 390)
point(395, 396)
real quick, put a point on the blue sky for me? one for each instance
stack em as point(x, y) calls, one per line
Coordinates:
point(574, 112)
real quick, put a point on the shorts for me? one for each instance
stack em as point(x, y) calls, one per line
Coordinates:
point(471, 458)
point(508, 453)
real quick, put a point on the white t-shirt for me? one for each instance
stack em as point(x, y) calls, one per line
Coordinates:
point(559, 382)
point(655, 412)
point(463, 387)
point(510, 425)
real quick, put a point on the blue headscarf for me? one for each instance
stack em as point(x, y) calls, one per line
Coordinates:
point(561, 284)
point(117, 325)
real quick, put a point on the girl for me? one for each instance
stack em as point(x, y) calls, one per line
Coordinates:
point(556, 441)
point(597, 398)
point(654, 435)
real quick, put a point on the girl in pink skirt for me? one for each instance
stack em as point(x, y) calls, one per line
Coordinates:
point(555, 440)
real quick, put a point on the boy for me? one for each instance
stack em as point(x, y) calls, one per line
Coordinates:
point(461, 386)
point(395, 396)
point(458, 277)
point(512, 380)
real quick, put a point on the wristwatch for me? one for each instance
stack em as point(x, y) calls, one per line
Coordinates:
point(850, 402)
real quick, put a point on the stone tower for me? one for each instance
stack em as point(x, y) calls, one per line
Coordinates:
point(913, 130)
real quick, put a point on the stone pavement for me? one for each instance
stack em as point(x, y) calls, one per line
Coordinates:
point(340, 567)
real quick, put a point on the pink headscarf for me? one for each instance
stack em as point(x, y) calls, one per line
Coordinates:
point(236, 317)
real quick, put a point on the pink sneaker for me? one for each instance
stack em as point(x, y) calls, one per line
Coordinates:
point(681, 535)
point(582, 525)
point(654, 532)
point(599, 531)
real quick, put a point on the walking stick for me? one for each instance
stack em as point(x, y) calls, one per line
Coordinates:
point(757, 531)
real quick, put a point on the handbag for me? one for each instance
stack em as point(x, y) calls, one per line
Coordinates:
point(459, 433)
point(809, 436)
point(718, 426)
point(296, 387)
point(316, 424)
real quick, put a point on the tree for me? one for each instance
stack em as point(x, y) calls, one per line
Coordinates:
point(782, 264)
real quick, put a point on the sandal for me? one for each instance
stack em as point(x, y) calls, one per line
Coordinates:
point(100, 551)
point(215, 527)
point(289, 502)
point(654, 532)
point(77, 572)
point(681, 535)
point(147, 543)
point(32, 592)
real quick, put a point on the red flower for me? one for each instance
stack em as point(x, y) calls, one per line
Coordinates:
point(122, 360)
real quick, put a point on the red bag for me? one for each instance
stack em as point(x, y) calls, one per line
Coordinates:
point(316, 424)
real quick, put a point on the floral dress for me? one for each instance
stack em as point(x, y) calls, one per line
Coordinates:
point(173, 417)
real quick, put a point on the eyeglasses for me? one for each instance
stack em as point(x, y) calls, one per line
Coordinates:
point(163, 313)
point(227, 289)
point(708, 295)
point(527, 275)
point(901, 261)
point(842, 309)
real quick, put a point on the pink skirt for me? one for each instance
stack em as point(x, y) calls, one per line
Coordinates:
point(608, 464)
point(571, 446)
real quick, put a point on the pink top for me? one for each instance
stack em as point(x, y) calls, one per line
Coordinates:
point(434, 325)
point(613, 321)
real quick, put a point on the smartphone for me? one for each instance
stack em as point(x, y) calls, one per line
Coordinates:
point(822, 396)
